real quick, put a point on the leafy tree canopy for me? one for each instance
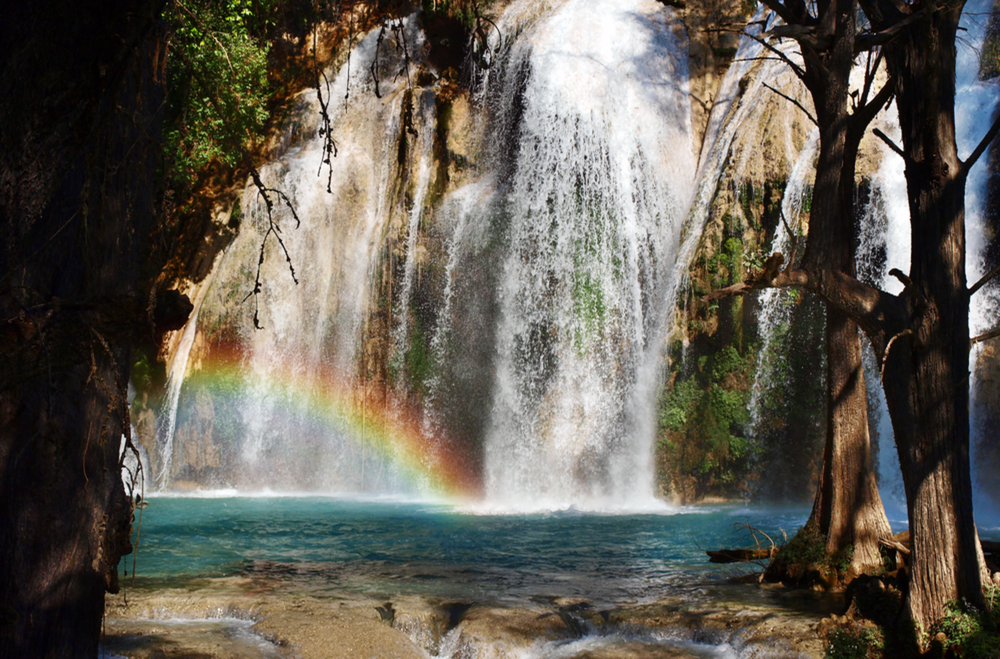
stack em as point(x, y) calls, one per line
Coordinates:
point(217, 81)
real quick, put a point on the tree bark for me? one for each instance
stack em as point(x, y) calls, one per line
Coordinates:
point(847, 510)
point(78, 155)
point(926, 360)
point(927, 373)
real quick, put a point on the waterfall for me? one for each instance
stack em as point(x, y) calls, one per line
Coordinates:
point(598, 185)
point(884, 245)
point(175, 379)
point(488, 285)
point(774, 308)
point(426, 138)
point(280, 407)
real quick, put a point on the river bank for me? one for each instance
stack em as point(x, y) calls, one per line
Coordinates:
point(258, 618)
point(262, 577)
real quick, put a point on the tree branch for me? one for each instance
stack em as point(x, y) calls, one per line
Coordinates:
point(793, 102)
point(892, 145)
point(796, 69)
point(992, 334)
point(885, 353)
point(981, 147)
point(865, 42)
point(867, 111)
point(984, 280)
point(781, 10)
point(877, 313)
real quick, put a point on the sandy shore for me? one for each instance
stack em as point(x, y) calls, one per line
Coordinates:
point(252, 618)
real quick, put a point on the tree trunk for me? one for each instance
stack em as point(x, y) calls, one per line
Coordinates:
point(78, 156)
point(847, 510)
point(926, 369)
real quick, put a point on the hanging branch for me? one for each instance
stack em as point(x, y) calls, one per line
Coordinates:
point(399, 31)
point(482, 54)
point(272, 229)
point(793, 236)
point(350, 49)
point(374, 66)
point(326, 131)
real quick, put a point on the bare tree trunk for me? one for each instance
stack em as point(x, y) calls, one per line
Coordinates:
point(855, 515)
point(847, 510)
point(926, 364)
point(78, 156)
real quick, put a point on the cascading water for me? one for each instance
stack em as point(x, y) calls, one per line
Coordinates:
point(552, 309)
point(285, 397)
point(885, 244)
point(592, 209)
point(774, 326)
point(532, 337)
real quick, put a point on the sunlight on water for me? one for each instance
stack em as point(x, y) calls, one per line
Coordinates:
point(330, 545)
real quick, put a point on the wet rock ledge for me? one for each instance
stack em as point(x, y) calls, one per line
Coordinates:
point(238, 617)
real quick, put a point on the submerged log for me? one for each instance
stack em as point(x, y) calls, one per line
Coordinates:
point(738, 555)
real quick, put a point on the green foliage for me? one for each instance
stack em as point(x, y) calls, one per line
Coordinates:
point(865, 643)
point(880, 632)
point(804, 558)
point(419, 361)
point(142, 369)
point(702, 416)
point(805, 550)
point(968, 632)
point(589, 309)
point(677, 404)
point(462, 10)
point(217, 84)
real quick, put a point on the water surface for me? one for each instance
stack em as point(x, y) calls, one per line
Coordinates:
point(329, 546)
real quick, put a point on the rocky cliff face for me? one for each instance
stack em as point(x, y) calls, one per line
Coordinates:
point(428, 139)
point(741, 391)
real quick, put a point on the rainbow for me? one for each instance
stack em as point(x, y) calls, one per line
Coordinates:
point(381, 424)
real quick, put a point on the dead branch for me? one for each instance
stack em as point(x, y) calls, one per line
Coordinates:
point(482, 53)
point(796, 69)
point(986, 336)
point(794, 102)
point(326, 131)
point(888, 347)
point(272, 229)
point(981, 147)
point(865, 42)
point(985, 279)
point(892, 145)
point(892, 543)
point(794, 237)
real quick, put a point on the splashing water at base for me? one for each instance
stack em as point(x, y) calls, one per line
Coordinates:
point(598, 187)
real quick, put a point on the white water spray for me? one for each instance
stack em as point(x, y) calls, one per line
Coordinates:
point(598, 190)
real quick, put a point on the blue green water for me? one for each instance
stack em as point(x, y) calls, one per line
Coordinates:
point(332, 547)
